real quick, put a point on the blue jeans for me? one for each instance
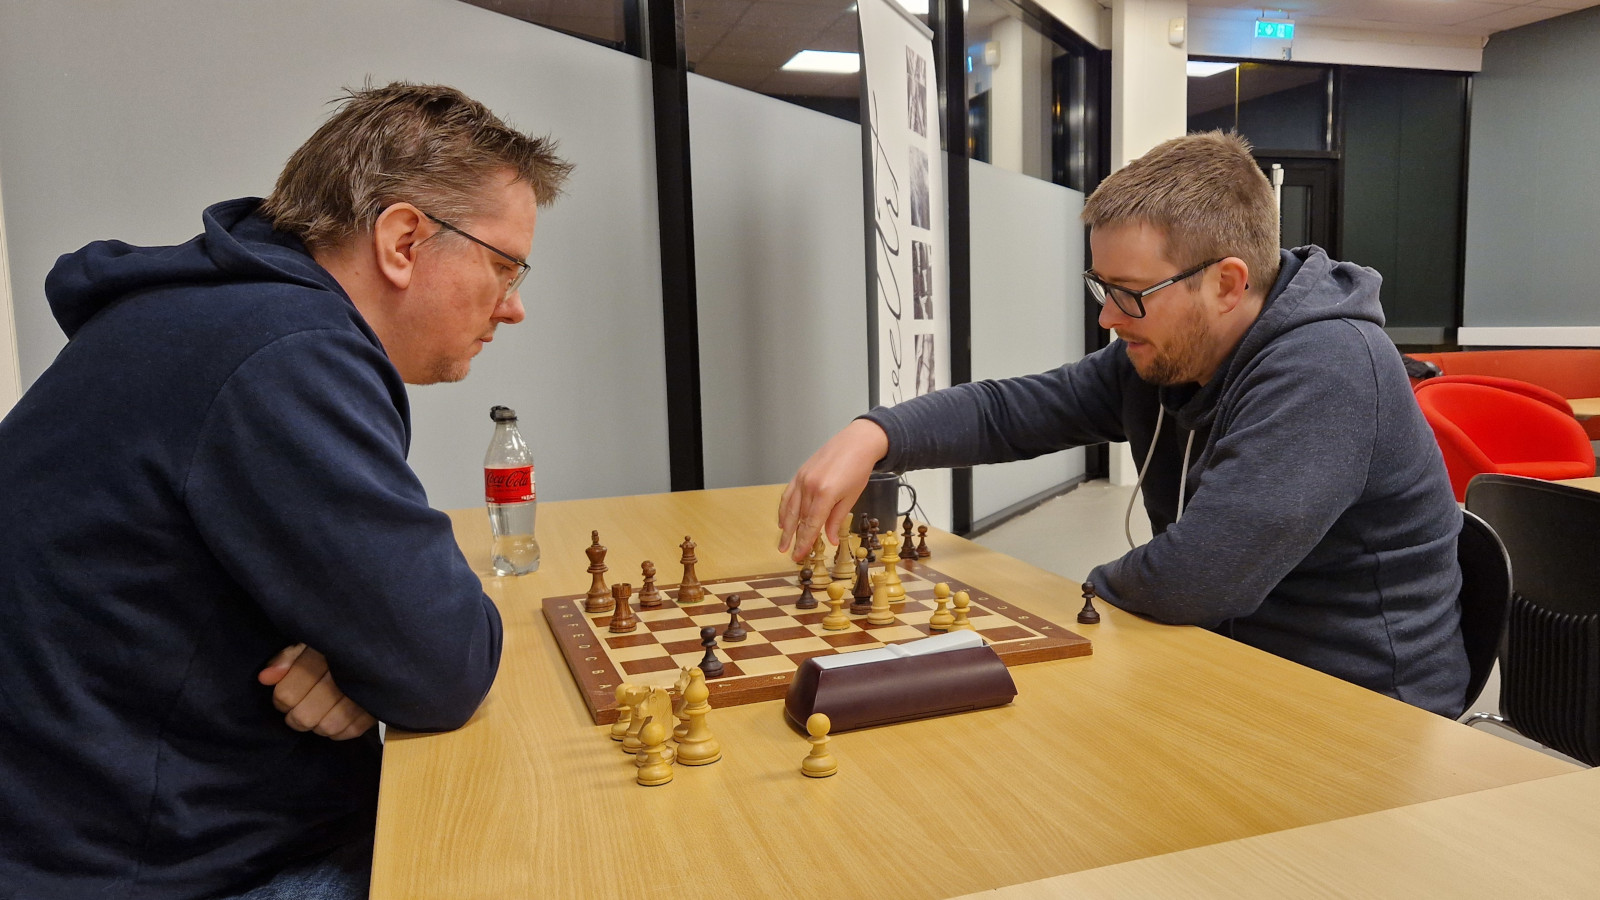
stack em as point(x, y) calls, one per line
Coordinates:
point(343, 874)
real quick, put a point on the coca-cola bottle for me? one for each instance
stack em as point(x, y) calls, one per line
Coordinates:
point(508, 488)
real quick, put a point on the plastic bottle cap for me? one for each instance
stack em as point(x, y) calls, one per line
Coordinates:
point(502, 414)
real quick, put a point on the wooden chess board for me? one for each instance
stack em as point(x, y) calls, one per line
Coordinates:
point(781, 637)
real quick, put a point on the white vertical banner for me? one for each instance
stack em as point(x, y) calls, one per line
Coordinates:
point(10, 365)
point(907, 262)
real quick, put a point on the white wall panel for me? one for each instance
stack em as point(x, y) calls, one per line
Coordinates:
point(125, 120)
point(1027, 309)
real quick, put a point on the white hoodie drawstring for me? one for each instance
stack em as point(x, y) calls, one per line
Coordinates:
point(1183, 478)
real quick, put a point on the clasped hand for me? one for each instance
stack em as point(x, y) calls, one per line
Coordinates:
point(303, 689)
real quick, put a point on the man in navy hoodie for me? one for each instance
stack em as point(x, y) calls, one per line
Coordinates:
point(1298, 501)
point(214, 470)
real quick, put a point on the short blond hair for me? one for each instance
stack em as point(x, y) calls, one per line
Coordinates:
point(425, 144)
point(1207, 195)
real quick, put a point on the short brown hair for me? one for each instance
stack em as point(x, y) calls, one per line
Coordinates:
point(1206, 193)
point(425, 144)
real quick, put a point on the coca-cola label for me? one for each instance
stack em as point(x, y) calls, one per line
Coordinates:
point(514, 485)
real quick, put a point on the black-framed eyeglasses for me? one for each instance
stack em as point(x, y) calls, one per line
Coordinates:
point(1131, 302)
point(522, 265)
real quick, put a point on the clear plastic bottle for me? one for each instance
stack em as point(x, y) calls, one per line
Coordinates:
point(508, 488)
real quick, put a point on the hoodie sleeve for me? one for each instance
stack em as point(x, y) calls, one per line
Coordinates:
point(300, 487)
point(1004, 420)
point(1293, 456)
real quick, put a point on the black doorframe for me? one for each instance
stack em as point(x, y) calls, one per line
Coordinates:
point(662, 39)
point(1319, 173)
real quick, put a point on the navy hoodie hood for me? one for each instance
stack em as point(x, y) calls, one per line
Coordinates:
point(237, 245)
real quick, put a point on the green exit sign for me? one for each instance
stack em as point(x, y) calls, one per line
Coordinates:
point(1274, 31)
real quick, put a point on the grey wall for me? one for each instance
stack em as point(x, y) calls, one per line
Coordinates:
point(123, 120)
point(1533, 198)
point(1027, 309)
point(780, 270)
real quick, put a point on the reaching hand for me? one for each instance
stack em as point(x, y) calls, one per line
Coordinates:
point(827, 485)
point(303, 689)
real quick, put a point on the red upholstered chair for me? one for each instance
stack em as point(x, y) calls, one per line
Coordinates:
point(1487, 429)
point(1542, 394)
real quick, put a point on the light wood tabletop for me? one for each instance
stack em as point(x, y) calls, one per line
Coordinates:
point(1164, 739)
point(1585, 407)
point(1534, 839)
point(1588, 484)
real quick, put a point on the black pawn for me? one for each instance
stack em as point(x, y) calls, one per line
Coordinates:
point(922, 542)
point(709, 664)
point(873, 544)
point(735, 630)
point(806, 601)
point(1088, 615)
point(908, 547)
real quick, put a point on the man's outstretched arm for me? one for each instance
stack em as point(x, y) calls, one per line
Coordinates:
point(827, 485)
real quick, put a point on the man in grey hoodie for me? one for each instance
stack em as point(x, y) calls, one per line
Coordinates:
point(1296, 496)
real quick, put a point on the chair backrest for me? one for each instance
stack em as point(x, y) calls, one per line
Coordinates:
point(1544, 395)
point(1550, 665)
point(1485, 429)
point(1485, 598)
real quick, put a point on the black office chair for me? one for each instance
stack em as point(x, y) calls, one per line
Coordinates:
point(1485, 601)
point(1550, 660)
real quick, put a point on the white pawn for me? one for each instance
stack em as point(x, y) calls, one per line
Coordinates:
point(881, 613)
point(819, 763)
point(961, 623)
point(941, 620)
point(836, 620)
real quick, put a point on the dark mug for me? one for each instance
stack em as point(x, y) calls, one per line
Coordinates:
point(879, 501)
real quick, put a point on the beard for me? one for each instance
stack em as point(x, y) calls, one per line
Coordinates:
point(1179, 360)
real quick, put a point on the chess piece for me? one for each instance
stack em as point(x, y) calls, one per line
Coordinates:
point(872, 543)
point(653, 766)
point(698, 747)
point(619, 728)
point(922, 542)
point(844, 560)
point(880, 613)
point(636, 696)
point(689, 590)
point(836, 620)
point(961, 623)
point(679, 703)
point(735, 631)
point(649, 597)
point(908, 549)
point(656, 705)
point(1088, 615)
point(941, 620)
point(709, 664)
point(862, 591)
point(623, 620)
point(817, 562)
point(599, 598)
point(807, 600)
point(891, 568)
point(819, 763)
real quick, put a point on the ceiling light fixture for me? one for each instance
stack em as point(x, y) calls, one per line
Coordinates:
point(832, 62)
point(1199, 69)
